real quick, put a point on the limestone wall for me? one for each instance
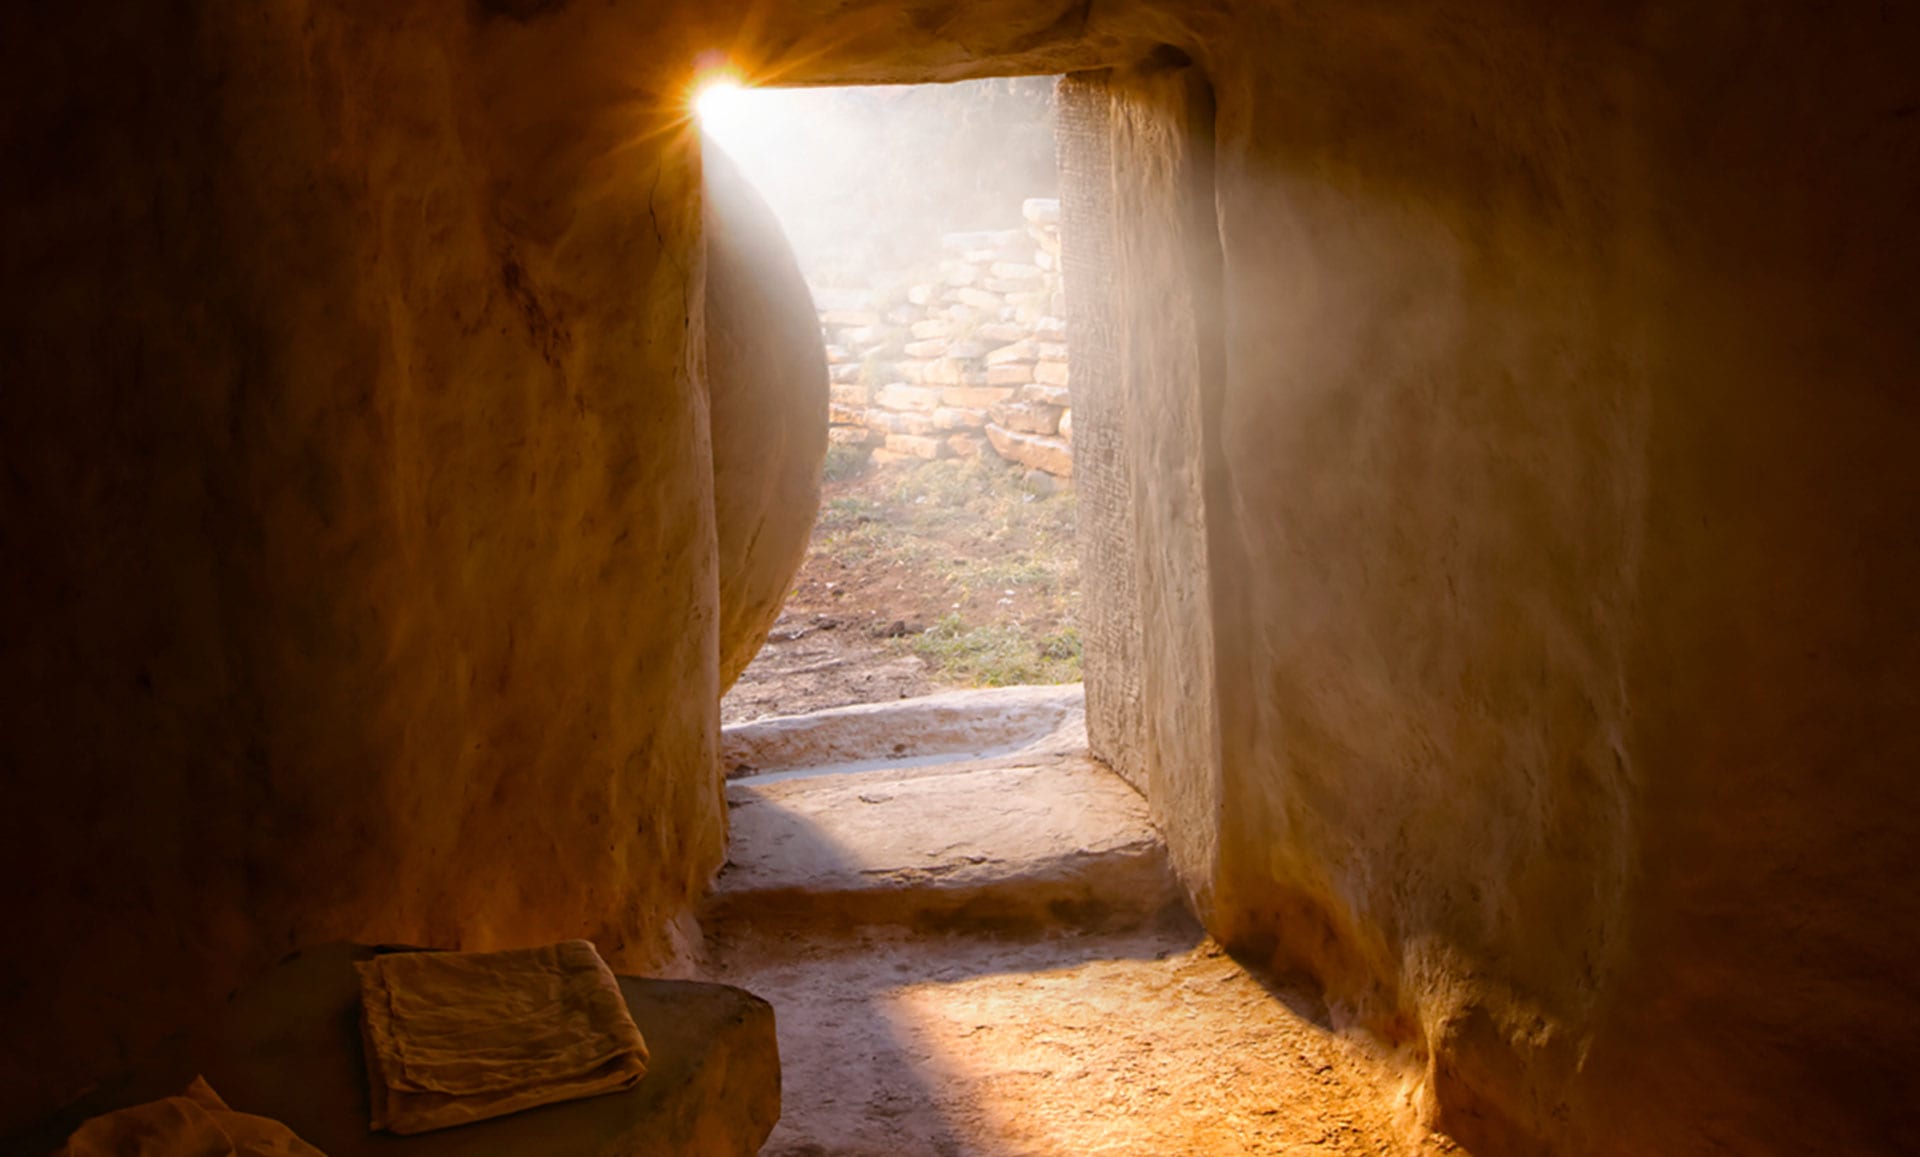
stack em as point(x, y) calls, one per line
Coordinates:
point(960, 359)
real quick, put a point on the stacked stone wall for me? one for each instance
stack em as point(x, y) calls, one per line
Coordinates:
point(960, 359)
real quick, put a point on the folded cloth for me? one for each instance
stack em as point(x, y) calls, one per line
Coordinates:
point(453, 1037)
point(197, 1123)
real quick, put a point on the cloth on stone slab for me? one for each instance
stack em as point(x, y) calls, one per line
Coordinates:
point(454, 1037)
point(197, 1123)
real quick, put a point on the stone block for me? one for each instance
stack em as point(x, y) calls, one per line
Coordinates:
point(1027, 417)
point(1010, 374)
point(959, 274)
point(1044, 393)
point(1050, 328)
point(975, 397)
point(958, 418)
point(1013, 271)
point(854, 436)
point(885, 457)
point(919, 446)
point(922, 294)
point(967, 445)
point(981, 299)
point(1003, 332)
point(849, 395)
point(903, 397)
point(1052, 455)
point(928, 349)
point(1052, 351)
point(1019, 351)
point(849, 318)
point(844, 374)
point(931, 328)
point(1066, 426)
point(897, 422)
point(949, 372)
point(1052, 373)
point(837, 354)
point(844, 415)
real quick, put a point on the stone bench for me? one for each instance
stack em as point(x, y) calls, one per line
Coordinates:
point(288, 1047)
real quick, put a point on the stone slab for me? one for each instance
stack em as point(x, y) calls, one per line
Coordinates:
point(1036, 838)
point(288, 1047)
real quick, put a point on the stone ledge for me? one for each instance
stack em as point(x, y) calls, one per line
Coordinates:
point(288, 1047)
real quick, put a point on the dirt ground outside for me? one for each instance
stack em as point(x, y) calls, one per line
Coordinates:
point(922, 577)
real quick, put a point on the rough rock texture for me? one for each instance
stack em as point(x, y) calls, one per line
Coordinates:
point(1555, 547)
point(288, 1047)
point(767, 395)
point(1110, 599)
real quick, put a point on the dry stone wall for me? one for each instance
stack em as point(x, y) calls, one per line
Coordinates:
point(965, 359)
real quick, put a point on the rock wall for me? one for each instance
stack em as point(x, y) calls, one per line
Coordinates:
point(961, 360)
point(1104, 510)
point(358, 516)
point(1553, 542)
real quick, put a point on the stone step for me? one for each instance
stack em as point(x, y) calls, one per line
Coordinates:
point(1038, 839)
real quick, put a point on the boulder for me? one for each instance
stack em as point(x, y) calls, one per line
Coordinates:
point(767, 383)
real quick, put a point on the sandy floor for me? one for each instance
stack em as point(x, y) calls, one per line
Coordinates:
point(1141, 1040)
point(1142, 1044)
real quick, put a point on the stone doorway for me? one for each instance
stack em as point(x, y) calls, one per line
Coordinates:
point(926, 221)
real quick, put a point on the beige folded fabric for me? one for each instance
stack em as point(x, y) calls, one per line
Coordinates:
point(196, 1123)
point(453, 1037)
